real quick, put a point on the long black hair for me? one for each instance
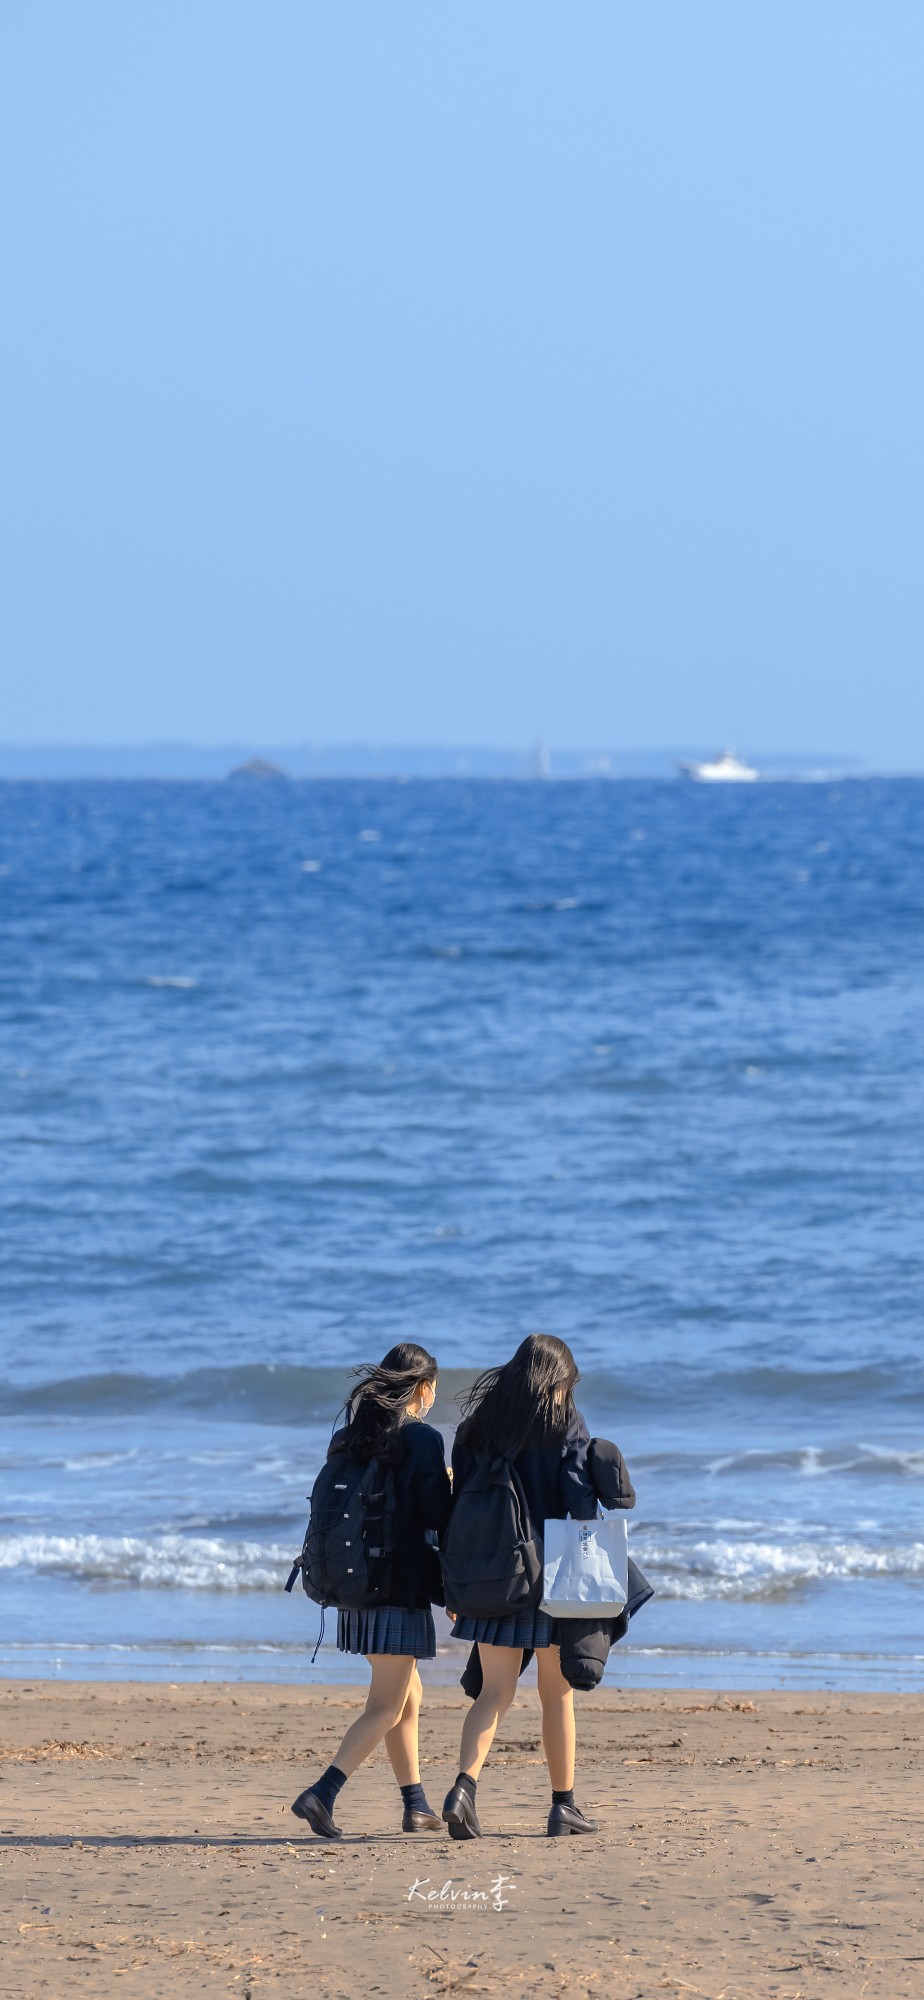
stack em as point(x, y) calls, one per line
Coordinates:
point(527, 1403)
point(377, 1407)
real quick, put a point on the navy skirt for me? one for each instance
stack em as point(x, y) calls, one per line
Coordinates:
point(523, 1628)
point(387, 1629)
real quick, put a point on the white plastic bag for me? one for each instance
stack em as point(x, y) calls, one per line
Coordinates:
point(586, 1569)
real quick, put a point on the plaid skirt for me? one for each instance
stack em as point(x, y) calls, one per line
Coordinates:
point(528, 1628)
point(387, 1629)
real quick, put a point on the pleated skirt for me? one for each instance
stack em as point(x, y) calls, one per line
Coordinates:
point(530, 1627)
point(387, 1629)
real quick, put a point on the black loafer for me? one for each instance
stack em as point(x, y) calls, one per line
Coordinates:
point(569, 1819)
point(421, 1822)
point(308, 1806)
point(460, 1815)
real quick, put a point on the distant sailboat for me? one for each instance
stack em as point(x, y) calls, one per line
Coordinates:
point(540, 763)
point(726, 769)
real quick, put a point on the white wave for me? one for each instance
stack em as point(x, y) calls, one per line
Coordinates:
point(168, 979)
point(719, 1568)
point(815, 1461)
point(171, 1562)
point(94, 1461)
point(752, 1569)
point(890, 1458)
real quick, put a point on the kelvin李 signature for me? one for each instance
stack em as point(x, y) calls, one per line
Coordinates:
point(447, 1896)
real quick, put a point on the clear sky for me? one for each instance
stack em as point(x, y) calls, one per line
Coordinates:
point(428, 373)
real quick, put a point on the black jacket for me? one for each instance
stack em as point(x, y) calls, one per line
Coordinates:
point(584, 1643)
point(609, 1474)
point(423, 1496)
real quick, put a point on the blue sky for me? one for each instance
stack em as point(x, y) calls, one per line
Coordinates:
point(458, 374)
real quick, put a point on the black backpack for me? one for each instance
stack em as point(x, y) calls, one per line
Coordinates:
point(490, 1555)
point(346, 1557)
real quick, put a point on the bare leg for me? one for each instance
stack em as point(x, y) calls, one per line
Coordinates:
point(401, 1741)
point(500, 1666)
point(558, 1736)
point(391, 1679)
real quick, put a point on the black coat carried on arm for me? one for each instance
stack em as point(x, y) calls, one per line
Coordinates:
point(585, 1642)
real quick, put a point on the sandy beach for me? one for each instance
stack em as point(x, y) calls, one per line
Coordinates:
point(751, 1844)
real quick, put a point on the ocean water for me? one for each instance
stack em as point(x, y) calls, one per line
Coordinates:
point(290, 1071)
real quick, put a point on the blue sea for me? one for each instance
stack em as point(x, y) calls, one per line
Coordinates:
point(291, 1070)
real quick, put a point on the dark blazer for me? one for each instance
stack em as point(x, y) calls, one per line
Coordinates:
point(423, 1496)
point(555, 1479)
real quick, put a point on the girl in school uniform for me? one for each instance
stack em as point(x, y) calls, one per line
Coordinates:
point(524, 1412)
point(385, 1421)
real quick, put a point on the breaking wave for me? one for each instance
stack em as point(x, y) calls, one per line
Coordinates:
point(748, 1570)
point(718, 1568)
point(158, 1562)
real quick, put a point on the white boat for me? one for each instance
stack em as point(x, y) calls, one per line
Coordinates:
point(726, 769)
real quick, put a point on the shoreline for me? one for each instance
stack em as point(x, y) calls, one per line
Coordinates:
point(750, 1842)
point(636, 1668)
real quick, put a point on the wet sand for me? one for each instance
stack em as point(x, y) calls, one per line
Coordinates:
point(749, 1845)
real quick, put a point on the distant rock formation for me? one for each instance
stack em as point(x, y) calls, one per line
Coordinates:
point(258, 767)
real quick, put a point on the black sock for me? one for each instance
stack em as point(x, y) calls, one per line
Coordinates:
point(469, 1785)
point(563, 1798)
point(328, 1785)
point(415, 1798)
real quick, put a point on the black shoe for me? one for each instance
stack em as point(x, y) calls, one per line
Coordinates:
point(460, 1815)
point(308, 1806)
point(421, 1822)
point(569, 1819)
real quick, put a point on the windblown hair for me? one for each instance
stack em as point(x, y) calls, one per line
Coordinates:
point(377, 1407)
point(526, 1404)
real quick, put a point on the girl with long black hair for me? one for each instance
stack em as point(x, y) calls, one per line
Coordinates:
point(385, 1421)
point(524, 1412)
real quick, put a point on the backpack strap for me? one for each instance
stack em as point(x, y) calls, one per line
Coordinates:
point(526, 1522)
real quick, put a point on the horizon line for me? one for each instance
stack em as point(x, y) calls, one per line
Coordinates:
point(178, 758)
